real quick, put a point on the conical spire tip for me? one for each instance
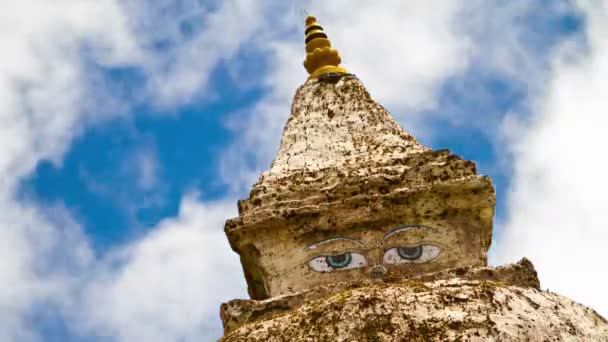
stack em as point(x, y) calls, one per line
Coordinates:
point(321, 58)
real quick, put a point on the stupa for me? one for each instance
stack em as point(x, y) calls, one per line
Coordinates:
point(360, 233)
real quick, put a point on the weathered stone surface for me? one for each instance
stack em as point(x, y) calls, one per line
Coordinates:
point(337, 124)
point(347, 169)
point(483, 304)
point(338, 141)
point(239, 312)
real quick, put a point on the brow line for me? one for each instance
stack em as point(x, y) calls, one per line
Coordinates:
point(405, 228)
point(322, 242)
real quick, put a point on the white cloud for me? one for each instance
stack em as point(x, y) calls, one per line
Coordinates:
point(197, 40)
point(39, 263)
point(41, 95)
point(168, 286)
point(50, 90)
point(558, 195)
point(41, 78)
point(403, 51)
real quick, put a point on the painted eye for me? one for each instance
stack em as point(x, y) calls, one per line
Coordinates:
point(337, 262)
point(413, 254)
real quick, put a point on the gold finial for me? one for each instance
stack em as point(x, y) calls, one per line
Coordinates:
point(321, 58)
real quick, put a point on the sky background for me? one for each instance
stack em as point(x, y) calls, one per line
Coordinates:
point(129, 128)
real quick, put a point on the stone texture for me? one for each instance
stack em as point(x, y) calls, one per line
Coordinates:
point(346, 167)
point(336, 123)
point(467, 304)
point(239, 312)
point(337, 141)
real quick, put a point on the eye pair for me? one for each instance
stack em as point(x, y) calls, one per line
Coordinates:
point(393, 256)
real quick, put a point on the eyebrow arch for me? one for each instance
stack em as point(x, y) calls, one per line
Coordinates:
point(322, 242)
point(406, 228)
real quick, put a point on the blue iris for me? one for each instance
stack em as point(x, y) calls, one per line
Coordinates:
point(338, 261)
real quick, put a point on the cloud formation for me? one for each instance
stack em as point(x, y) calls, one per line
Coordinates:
point(557, 198)
point(42, 97)
point(52, 87)
point(167, 285)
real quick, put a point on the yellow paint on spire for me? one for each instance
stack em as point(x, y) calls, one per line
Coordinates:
point(321, 58)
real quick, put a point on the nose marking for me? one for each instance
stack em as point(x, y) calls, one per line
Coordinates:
point(377, 271)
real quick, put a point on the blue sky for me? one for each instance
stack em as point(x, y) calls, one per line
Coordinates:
point(133, 128)
point(96, 183)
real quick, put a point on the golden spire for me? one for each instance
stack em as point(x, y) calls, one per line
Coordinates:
point(321, 58)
